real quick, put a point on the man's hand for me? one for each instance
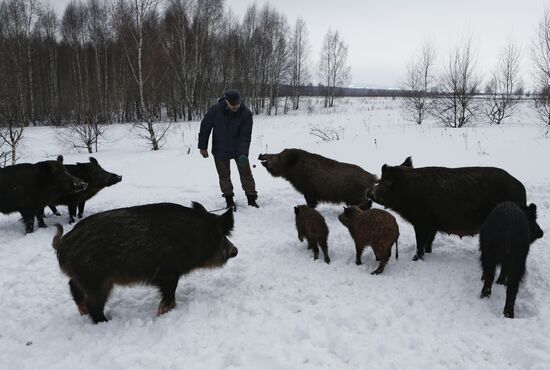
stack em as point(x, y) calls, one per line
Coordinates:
point(204, 153)
point(242, 160)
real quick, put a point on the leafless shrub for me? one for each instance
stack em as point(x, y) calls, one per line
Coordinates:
point(505, 86)
point(83, 134)
point(456, 104)
point(420, 82)
point(327, 134)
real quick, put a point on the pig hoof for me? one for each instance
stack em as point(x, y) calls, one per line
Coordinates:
point(165, 307)
point(376, 272)
point(82, 309)
point(418, 257)
point(508, 314)
point(80, 215)
point(327, 260)
point(485, 294)
point(358, 263)
point(42, 225)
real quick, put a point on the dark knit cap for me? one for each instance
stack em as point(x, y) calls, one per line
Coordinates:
point(232, 96)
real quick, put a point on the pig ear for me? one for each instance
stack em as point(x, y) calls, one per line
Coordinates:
point(198, 207)
point(227, 222)
point(296, 210)
point(60, 158)
point(94, 161)
point(384, 168)
point(533, 210)
point(407, 163)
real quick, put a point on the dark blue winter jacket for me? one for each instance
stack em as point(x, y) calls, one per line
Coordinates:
point(232, 131)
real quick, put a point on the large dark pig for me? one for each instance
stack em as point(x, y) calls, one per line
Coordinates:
point(96, 178)
point(504, 240)
point(27, 188)
point(451, 200)
point(318, 178)
point(153, 244)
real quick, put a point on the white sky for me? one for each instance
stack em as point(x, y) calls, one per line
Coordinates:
point(383, 35)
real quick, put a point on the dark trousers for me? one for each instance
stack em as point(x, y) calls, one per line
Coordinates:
point(223, 166)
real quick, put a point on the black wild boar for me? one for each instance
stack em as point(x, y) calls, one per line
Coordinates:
point(27, 188)
point(312, 226)
point(504, 240)
point(153, 244)
point(96, 178)
point(451, 200)
point(372, 227)
point(318, 178)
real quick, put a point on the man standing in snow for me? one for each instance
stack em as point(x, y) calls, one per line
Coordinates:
point(231, 121)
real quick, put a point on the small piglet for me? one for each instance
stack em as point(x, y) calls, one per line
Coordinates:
point(372, 227)
point(311, 226)
point(153, 244)
point(504, 239)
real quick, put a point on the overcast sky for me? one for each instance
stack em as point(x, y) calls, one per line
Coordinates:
point(383, 35)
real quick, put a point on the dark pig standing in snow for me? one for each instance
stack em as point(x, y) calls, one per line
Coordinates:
point(504, 240)
point(311, 225)
point(27, 188)
point(96, 178)
point(153, 244)
point(318, 178)
point(451, 200)
point(372, 227)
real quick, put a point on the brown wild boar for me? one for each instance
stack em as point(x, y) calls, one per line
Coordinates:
point(372, 227)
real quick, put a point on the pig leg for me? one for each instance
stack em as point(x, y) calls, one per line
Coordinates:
point(358, 252)
point(430, 241)
point(503, 273)
point(515, 273)
point(383, 260)
point(167, 284)
point(54, 210)
point(489, 267)
point(311, 202)
point(81, 209)
point(324, 247)
point(79, 297)
point(28, 220)
point(72, 212)
point(422, 238)
point(40, 219)
point(312, 244)
point(96, 296)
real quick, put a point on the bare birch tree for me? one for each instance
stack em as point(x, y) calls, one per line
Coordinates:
point(333, 68)
point(299, 59)
point(541, 57)
point(420, 83)
point(456, 103)
point(504, 86)
point(135, 13)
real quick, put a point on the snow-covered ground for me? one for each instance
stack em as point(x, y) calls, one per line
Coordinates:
point(273, 307)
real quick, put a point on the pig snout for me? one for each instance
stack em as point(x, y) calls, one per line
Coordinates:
point(233, 252)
